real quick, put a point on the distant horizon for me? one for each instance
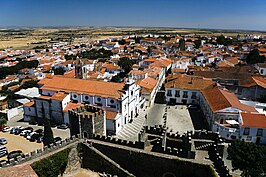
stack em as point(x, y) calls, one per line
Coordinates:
point(206, 14)
point(69, 26)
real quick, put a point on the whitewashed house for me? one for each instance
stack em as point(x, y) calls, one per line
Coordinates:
point(60, 94)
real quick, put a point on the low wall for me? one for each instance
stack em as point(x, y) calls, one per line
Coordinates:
point(134, 144)
point(142, 163)
point(95, 160)
point(40, 152)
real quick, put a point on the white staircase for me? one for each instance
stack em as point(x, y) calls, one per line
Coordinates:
point(130, 131)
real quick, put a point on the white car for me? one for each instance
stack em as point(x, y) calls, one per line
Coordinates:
point(24, 132)
point(29, 136)
point(7, 129)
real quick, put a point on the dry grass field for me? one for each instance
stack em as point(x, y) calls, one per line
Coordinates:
point(27, 38)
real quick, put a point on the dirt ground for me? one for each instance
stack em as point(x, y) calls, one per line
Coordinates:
point(82, 173)
point(17, 142)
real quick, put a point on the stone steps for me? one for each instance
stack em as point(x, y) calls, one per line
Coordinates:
point(131, 130)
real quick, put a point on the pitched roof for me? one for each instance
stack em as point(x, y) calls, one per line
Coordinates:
point(190, 83)
point(261, 81)
point(71, 105)
point(218, 99)
point(253, 120)
point(110, 115)
point(147, 84)
point(59, 96)
point(90, 87)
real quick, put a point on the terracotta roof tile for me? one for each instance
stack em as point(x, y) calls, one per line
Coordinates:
point(220, 99)
point(71, 105)
point(253, 120)
point(148, 84)
point(59, 96)
point(110, 115)
point(190, 83)
point(91, 87)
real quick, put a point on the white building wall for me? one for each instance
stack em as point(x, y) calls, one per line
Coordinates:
point(252, 136)
point(179, 100)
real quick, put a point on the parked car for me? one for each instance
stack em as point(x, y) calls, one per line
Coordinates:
point(40, 131)
point(14, 129)
point(25, 132)
point(7, 129)
point(15, 154)
point(28, 128)
point(18, 130)
point(3, 141)
point(2, 127)
point(39, 139)
point(62, 126)
point(29, 136)
point(35, 137)
point(57, 139)
point(3, 151)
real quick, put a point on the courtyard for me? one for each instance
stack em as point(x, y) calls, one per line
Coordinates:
point(180, 118)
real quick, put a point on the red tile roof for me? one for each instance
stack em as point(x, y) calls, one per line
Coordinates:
point(91, 87)
point(147, 84)
point(110, 115)
point(253, 120)
point(59, 96)
point(219, 99)
point(190, 83)
point(71, 105)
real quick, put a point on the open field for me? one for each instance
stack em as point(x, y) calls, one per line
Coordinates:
point(27, 38)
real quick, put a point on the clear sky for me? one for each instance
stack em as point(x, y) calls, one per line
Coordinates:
point(225, 14)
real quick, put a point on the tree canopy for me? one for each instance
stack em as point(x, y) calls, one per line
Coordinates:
point(126, 64)
point(197, 43)
point(248, 157)
point(48, 136)
point(182, 44)
point(59, 71)
point(255, 57)
point(95, 54)
point(70, 57)
point(4, 71)
point(224, 41)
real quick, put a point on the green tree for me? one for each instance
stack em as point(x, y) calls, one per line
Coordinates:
point(126, 64)
point(48, 136)
point(255, 57)
point(3, 121)
point(182, 45)
point(122, 42)
point(248, 157)
point(224, 41)
point(197, 43)
point(59, 71)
